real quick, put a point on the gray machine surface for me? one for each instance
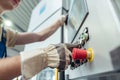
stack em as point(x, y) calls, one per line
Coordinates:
point(104, 31)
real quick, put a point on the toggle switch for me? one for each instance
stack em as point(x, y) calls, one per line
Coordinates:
point(84, 37)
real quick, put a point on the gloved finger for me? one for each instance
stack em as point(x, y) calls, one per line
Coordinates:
point(62, 56)
point(71, 46)
point(68, 54)
point(62, 19)
point(67, 64)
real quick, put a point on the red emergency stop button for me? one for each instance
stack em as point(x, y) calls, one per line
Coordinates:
point(82, 54)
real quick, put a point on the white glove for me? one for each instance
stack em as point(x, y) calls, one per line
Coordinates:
point(62, 20)
point(54, 56)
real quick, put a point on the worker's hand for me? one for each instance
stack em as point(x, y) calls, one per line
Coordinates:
point(64, 51)
point(62, 20)
point(54, 56)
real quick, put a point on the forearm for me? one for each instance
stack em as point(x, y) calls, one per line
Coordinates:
point(48, 31)
point(24, 38)
point(10, 68)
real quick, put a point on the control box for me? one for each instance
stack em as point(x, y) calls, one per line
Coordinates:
point(104, 32)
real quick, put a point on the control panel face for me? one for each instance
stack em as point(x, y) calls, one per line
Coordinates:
point(103, 31)
point(77, 14)
point(83, 38)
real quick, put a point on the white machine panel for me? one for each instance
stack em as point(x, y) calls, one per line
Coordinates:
point(104, 37)
point(44, 10)
point(54, 39)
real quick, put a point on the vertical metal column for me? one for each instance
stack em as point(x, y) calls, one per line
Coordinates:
point(65, 4)
point(62, 73)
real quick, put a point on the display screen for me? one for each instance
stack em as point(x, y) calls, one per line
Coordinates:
point(76, 17)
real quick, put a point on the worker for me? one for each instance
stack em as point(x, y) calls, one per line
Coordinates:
point(29, 63)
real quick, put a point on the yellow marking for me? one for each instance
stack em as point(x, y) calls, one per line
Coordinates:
point(56, 74)
point(91, 54)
